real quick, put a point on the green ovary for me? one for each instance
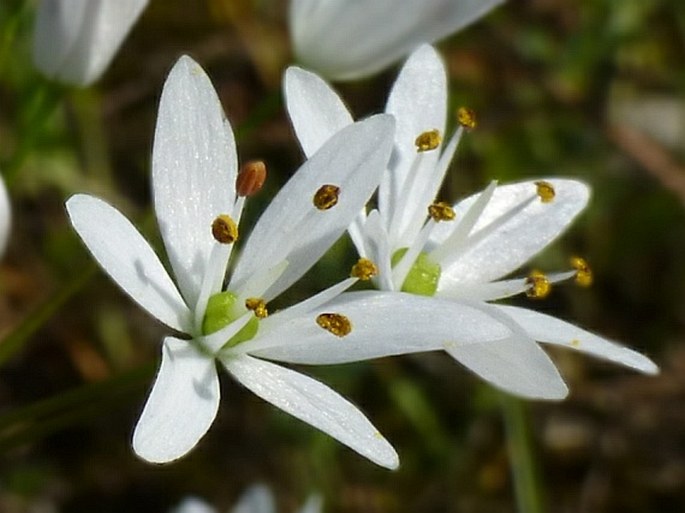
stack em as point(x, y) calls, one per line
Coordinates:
point(424, 275)
point(222, 309)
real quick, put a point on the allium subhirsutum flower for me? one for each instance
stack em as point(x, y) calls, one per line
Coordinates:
point(75, 40)
point(349, 39)
point(460, 253)
point(256, 499)
point(5, 216)
point(198, 200)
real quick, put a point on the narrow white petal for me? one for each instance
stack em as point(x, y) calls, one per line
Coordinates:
point(383, 324)
point(194, 167)
point(193, 505)
point(75, 40)
point(182, 404)
point(5, 216)
point(377, 248)
point(494, 290)
point(548, 329)
point(516, 241)
point(315, 110)
point(256, 499)
point(127, 257)
point(315, 404)
point(292, 228)
point(345, 39)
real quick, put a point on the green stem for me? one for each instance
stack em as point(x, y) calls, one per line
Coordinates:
point(524, 472)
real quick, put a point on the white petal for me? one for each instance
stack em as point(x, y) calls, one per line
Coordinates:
point(348, 39)
point(181, 406)
point(127, 257)
point(548, 329)
point(5, 216)
point(314, 504)
point(194, 167)
point(75, 40)
point(418, 101)
point(193, 505)
point(292, 228)
point(521, 237)
point(383, 324)
point(256, 499)
point(315, 110)
point(315, 404)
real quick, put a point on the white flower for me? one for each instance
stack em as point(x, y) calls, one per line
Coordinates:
point(349, 39)
point(256, 499)
point(194, 171)
point(5, 216)
point(465, 259)
point(75, 40)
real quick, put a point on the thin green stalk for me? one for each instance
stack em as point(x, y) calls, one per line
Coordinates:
point(523, 469)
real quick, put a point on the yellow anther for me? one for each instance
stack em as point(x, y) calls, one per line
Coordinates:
point(224, 229)
point(467, 118)
point(337, 324)
point(251, 178)
point(583, 272)
point(441, 211)
point(258, 306)
point(428, 141)
point(364, 269)
point(539, 286)
point(546, 191)
point(326, 197)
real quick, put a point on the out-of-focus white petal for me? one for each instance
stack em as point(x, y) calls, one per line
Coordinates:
point(315, 404)
point(314, 504)
point(5, 216)
point(127, 257)
point(548, 329)
point(519, 239)
point(194, 167)
point(193, 505)
point(75, 40)
point(292, 228)
point(256, 499)
point(181, 406)
point(383, 324)
point(348, 39)
point(315, 110)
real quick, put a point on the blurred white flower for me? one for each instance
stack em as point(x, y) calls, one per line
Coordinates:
point(256, 499)
point(349, 39)
point(459, 253)
point(75, 40)
point(5, 216)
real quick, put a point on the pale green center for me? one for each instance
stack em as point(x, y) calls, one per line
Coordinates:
point(424, 275)
point(222, 309)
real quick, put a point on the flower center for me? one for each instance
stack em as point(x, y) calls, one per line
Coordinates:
point(424, 275)
point(222, 309)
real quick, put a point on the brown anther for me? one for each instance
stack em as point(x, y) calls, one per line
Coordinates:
point(251, 178)
point(584, 275)
point(258, 306)
point(539, 286)
point(326, 197)
point(364, 269)
point(428, 141)
point(441, 211)
point(545, 191)
point(334, 323)
point(224, 229)
point(467, 118)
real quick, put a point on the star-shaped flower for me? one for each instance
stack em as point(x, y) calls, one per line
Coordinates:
point(198, 207)
point(460, 253)
point(346, 40)
point(256, 499)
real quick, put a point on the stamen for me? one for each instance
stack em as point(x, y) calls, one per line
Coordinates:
point(539, 286)
point(334, 323)
point(326, 197)
point(258, 306)
point(545, 191)
point(224, 229)
point(251, 178)
point(467, 118)
point(364, 269)
point(441, 211)
point(428, 141)
point(584, 275)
